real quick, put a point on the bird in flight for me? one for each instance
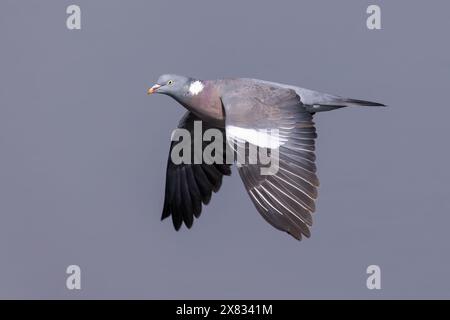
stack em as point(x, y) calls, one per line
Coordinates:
point(243, 110)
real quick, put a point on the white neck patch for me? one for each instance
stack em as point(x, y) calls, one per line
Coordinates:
point(196, 87)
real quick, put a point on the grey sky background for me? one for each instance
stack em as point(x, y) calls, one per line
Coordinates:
point(83, 150)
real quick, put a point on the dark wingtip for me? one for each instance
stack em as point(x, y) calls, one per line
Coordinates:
point(177, 226)
point(166, 212)
point(177, 220)
point(206, 199)
point(297, 236)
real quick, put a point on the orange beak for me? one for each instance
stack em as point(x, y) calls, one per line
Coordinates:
point(153, 89)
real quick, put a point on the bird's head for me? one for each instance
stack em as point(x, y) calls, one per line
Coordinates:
point(176, 86)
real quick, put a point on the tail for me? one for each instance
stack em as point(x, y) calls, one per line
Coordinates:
point(316, 101)
point(356, 102)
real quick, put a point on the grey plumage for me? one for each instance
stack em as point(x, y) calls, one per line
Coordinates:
point(286, 199)
point(241, 107)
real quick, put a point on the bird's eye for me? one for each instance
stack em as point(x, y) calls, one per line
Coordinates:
point(170, 82)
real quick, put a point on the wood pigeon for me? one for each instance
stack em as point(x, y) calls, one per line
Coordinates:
point(243, 110)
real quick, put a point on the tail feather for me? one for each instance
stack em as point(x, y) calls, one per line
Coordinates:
point(363, 103)
point(315, 101)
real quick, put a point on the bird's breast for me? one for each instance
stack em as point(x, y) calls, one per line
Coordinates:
point(208, 107)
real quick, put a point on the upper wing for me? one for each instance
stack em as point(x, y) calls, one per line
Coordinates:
point(189, 185)
point(285, 199)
